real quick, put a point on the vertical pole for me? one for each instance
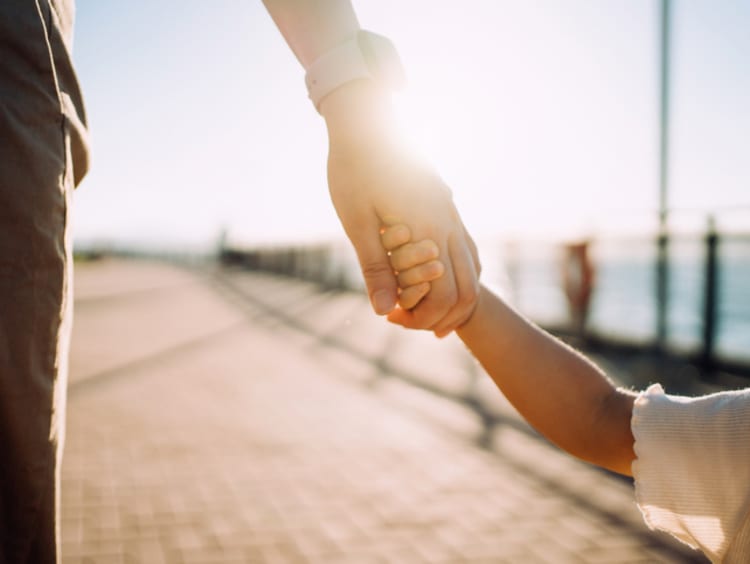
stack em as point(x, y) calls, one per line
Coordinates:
point(710, 296)
point(662, 272)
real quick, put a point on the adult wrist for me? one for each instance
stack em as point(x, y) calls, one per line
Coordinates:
point(356, 109)
point(358, 99)
point(364, 56)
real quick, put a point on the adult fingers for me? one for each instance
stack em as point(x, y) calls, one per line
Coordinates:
point(376, 269)
point(474, 252)
point(467, 285)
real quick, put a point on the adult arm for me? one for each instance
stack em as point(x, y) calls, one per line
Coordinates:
point(374, 180)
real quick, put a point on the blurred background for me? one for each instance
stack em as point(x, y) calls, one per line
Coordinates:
point(598, 153)
point(552, 122)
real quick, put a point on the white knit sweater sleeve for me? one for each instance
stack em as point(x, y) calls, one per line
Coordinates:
point(692, 472)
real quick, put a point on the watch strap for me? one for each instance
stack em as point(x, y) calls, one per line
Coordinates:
point(365, 55)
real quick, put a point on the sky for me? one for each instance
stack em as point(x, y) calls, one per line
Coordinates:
point(542, 117)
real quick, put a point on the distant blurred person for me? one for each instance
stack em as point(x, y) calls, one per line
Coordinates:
point(44, 155)
point(578, 278)
point(690, 457)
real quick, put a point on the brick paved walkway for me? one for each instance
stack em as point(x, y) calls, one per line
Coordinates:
point(244, 418)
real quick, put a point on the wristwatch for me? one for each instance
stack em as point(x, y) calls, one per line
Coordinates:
point(366, 55)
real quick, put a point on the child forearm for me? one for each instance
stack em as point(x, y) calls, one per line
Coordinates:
point(560, 393)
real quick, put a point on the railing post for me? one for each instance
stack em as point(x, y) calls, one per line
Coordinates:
point(662, 261)
point(710, 296)
point(662, 289)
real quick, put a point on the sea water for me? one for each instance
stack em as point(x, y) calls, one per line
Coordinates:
point(624, 300)
point(624, 303)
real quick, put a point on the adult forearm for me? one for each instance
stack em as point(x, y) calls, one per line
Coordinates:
point(313, 27)
point(373, 179)
point(356, 110)
point(558, 391)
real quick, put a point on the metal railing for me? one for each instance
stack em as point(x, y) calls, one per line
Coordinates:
point(705, 301)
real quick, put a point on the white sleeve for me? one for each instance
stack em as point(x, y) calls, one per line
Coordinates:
point(692, 471)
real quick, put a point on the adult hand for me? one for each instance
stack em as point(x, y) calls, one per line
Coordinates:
point(374, 180)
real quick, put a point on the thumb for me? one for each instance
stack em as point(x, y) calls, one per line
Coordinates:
point(400, 316)
point(376, 268)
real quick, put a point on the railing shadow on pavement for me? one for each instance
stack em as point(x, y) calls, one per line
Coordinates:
point(490, 423)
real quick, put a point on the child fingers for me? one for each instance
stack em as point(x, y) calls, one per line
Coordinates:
point(411, 296)
point(394, 236)
point(413, 254)
point(422, 273)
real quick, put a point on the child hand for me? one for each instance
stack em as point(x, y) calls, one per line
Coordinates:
point(414, 263)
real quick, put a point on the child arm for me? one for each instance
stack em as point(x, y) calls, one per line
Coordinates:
point(557, 390)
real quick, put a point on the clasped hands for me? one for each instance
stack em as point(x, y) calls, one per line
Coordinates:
point(376, 183)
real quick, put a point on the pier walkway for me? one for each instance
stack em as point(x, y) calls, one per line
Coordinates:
point(222, 416)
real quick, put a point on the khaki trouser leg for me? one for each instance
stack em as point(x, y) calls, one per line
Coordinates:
point(38, 136)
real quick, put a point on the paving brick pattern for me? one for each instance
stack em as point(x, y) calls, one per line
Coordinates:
point(235, 417)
